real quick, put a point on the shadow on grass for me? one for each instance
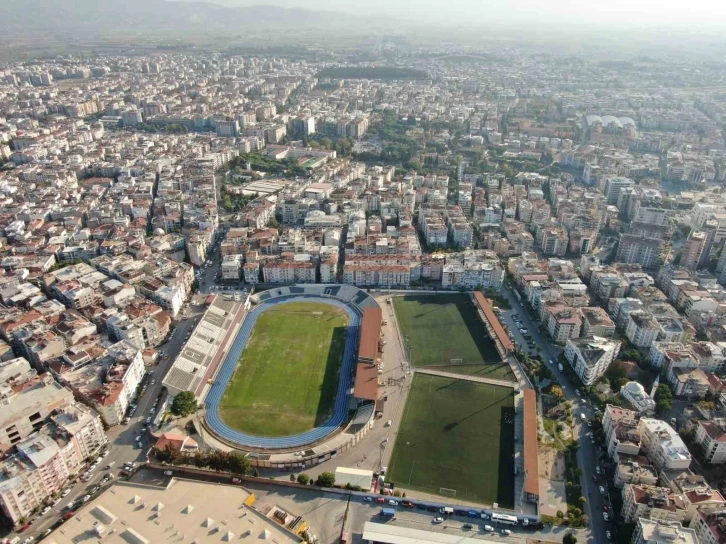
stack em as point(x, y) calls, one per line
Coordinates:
point(331, 378)
point(505, 484)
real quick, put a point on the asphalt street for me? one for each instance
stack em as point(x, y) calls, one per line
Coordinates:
point(589, 454)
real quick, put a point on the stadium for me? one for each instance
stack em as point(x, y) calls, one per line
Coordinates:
point(290, 376)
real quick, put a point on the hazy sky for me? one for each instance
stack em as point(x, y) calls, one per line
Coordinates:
point(470, 12)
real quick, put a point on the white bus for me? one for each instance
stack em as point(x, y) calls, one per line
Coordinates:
point(505, 519)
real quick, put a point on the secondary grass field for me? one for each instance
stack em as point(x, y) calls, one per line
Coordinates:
point(445, 327)
point(287, 377)
point(456, 435)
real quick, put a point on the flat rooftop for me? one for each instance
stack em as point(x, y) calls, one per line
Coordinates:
point(192, 511)
point(388, 533)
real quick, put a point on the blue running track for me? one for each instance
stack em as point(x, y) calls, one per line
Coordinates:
point(340, 412)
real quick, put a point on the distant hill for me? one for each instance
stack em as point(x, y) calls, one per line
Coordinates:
point(20, 17)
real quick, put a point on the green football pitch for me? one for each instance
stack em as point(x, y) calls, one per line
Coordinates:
point(456, 439)
point(287, 377)
point(445, 330)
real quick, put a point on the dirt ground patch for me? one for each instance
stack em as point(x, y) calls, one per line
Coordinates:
point(551, 464)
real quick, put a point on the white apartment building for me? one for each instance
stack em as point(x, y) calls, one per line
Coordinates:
point(711, 436)
point(23, 410)
point(642, 330)
point(289, 271)
point(591, 356)
point(662, 532)
point(663, 446)
point(46, 460)
point(232, 267)
point(488, 275)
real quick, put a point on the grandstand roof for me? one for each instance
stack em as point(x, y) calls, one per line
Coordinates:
point(370, 333)
point(366, 381)
point(486, 307)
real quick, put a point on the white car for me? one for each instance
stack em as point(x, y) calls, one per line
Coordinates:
point(65, 492)
point(168, 473)
point(605, 516)
point(506, 532)
point(437, 519)
point(393, 502)
point(489, 528)
point(86, 498)
point(45, 510)
point(602, 490)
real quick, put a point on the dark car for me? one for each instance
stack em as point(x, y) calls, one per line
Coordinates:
point(467, 527)
point(432, 509)
point(407, 504)
point(460, 512)
point(473, 514)
point(421, 506)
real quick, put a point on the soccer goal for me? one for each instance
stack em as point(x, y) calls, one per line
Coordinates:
point(447, 492)
point(456, 361)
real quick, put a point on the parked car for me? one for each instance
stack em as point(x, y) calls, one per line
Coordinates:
point(86, 498)
point(467, 527)
point(437, 519)
point(380, 500)
point(602, 490)
point(609, 535)
point(45, 510)
point(65, 492)
point(368, 499)
point(605, 516)
point(489, 528)
point(506, 532)
point(236, 481)
point(393, 502)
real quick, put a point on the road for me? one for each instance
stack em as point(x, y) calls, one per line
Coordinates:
point(589, 453)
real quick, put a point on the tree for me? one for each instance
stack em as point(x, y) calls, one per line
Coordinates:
point(663, 398)
point(326, 479)
point(569, 538)
point(557, 392)
point(185, 403)
point(303, 479)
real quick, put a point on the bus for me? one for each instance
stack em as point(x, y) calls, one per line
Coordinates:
point(505, 519)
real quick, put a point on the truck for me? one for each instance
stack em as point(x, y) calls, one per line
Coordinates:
point(560, 367)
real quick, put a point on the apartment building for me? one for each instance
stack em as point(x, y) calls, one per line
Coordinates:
point(662, 532)
point(710, 526)
point(561, 321)
point(653, 503)
point(232, 267)
point(109, 383)
point(640, 249)
point(47, 459)
point(711, 436)
point(634, 470)
point(301, 269)
point(591, 356)
point(663, 446)
point(596, 322)
point(27, 400)
point(693, 250)
point(552, 241)
point(642, 330)
point(614, 185)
